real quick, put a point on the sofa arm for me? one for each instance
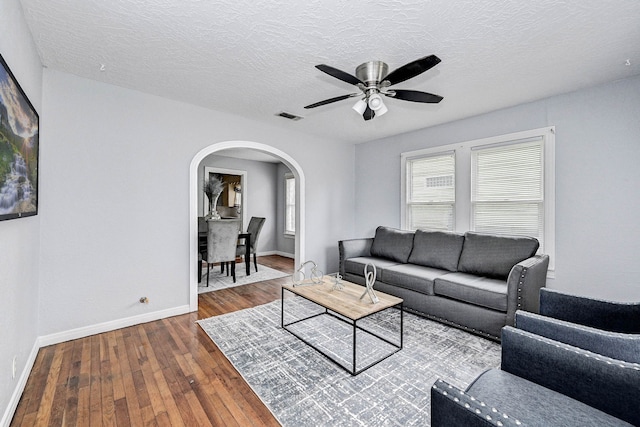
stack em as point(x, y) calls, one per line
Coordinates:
point(451, 406)
point(353, 248)
point(600, 314)
point(523, 285)
point(610, 385)
point(611, 344)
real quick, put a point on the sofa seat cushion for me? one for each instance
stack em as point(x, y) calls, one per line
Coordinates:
point(494, 256)
point(356, 265)
point(413, 277)
point(437, 249)
point(482, 291)
point(533, 404)
point(392, 244)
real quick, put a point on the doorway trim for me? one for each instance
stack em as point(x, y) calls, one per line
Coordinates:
point(193, 205)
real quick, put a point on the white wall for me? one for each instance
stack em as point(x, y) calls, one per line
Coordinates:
point(597, 181)
point(116, 194)
point(19, 238)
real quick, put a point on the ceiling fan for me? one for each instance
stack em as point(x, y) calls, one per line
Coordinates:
point(373, 80)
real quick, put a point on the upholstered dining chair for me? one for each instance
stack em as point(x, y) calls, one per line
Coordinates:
point(255, 227)
point(222, 238)
point(202, 244)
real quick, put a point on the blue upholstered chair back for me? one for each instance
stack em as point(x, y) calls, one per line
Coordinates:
point(222, 240)
point(610, 316)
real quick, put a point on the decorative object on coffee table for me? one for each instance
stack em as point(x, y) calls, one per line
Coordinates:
point(315, 276)
point(337, 282)
point(370, 279)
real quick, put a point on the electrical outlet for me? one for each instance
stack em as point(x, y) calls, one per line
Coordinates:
point(14, 366)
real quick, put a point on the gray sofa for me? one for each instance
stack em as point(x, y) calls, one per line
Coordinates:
point(472, 281)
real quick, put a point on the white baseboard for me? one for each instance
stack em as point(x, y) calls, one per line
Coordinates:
point(43, 341)
point(20, 385)
point(284, 254)
point(86, 331)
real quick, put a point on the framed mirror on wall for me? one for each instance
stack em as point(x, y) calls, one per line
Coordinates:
point(232, 201)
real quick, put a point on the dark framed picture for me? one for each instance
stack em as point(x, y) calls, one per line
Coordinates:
point(19, 142)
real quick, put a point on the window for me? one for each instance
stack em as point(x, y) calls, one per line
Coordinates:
point(290, 205)
point(507, 189)
point(431, 192)
point(500, 185)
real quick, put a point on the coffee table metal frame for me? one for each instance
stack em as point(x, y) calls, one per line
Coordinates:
point(345, 319)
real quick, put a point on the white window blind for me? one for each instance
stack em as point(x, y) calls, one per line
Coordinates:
point(290, 205)
point(507, 189)
point(431, 192)
point(503, 185)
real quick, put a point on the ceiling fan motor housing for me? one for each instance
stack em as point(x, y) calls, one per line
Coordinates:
point(372, 72)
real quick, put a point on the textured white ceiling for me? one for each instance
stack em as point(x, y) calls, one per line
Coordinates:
point(256, 58)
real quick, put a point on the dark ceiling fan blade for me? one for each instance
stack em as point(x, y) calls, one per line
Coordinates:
point(329, 101)
point(368, 114)
point(339, 74)
point(414, 96)
point(412, 69)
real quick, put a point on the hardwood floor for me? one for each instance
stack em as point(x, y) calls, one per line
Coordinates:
point(162, 373)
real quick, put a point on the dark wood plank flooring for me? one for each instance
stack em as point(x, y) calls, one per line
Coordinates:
point(162, 373)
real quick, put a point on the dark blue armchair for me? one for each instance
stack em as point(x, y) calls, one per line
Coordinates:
point(555, 372)
point(606, 315)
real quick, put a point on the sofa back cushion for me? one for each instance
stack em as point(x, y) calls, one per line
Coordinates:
point(494, 256)
point(437, 249)
point(392, 244)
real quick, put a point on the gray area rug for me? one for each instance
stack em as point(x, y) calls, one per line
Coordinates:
point(303, 388)
point(219, 281)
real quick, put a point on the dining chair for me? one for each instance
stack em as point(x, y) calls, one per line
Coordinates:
point(222, 238)
point(202, 244)
point(254, 227)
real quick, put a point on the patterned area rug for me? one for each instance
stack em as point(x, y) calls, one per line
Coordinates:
point(302, 387)
point(219, 281)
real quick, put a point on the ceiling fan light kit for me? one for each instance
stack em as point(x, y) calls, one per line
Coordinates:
point(360, 106)
point(377, 105)
point(373, 80)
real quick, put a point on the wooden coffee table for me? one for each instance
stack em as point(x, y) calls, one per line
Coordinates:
point(345, 305)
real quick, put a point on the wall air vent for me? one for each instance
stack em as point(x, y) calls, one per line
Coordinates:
point(288, 116)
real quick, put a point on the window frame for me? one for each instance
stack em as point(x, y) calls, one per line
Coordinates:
point(289, 178)
point(463, 201)
point(409, 201)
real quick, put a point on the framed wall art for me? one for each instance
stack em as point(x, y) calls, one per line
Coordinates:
point(19, 142)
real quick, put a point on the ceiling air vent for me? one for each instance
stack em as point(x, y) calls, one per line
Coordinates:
point(288, 116)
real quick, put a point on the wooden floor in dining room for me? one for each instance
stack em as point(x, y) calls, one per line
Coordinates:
point(162, 373)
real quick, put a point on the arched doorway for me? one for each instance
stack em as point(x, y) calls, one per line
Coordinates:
point(193, 204)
